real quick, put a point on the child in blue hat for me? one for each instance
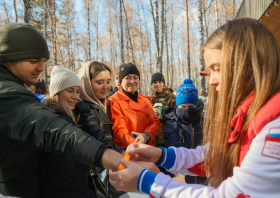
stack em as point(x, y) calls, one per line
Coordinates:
point(182, 126)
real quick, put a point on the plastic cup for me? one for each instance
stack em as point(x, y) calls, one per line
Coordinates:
point(158, 106)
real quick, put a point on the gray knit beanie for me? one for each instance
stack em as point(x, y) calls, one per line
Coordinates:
point(20, 41)
point(62, 78)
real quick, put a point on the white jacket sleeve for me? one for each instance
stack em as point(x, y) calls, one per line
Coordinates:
point(258, 176)
point(187, 159)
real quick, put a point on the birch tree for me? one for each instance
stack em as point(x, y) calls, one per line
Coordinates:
point(200, 19)
point(54, 37)
point(45, 35)
point(188, 38)
point(15, 9)
point(121, 30)
point(6, 11)
point(128, 34)
point(88, 7)
point(28, 11)
point(97, 32)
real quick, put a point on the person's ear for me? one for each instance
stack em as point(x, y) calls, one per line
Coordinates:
point(7, 64)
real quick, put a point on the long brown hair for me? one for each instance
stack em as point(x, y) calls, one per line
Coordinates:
point(250, 61)
point(41, 87)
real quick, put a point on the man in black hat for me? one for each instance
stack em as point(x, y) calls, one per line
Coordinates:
point(164, 95)
point(26, 126)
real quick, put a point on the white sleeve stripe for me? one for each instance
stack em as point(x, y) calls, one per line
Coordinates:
point(141, 180)
point(165, 157)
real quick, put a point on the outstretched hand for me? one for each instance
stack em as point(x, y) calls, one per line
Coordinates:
point(144, 152)
point(126, 179)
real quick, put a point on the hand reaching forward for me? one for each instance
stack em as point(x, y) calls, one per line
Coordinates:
point(126, 179)
point(144, 152)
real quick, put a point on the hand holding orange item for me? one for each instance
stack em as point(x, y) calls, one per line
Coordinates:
point(126, 157)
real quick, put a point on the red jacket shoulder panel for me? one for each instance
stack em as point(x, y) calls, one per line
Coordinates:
point(265, 115)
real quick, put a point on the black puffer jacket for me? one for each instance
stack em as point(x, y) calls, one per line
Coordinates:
point(94, 121)
point(26, 128)
point(63, 177)
point(97, 123)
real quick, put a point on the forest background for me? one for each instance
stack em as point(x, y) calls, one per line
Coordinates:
point(157, 35)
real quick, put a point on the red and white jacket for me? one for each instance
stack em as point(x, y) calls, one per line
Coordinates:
point(258, 173)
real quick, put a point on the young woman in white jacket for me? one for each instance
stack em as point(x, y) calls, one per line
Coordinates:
point(241, 152)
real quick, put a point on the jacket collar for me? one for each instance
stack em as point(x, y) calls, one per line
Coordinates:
point(238, 119)
point(103, 116)
point(122, 95)
point(6, 74)
point(132, 104)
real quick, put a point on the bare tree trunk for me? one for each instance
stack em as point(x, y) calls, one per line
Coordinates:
point(111, 36)
point(72, 33)
point(15, 8)
point(45, 35)
point(6, 12)
point(88, 31)
point(216, 10)
point(154, 12)
point(162, 35)
point(157, 34)
point(233, 8)
point(172, 58)
point(121, 26)
point(54, 34)
point(128, 34)
point(222, 12)
point(150, 72)
point(28, 11)
point(166, 49)
point(142, 50)
point(206, 25)
point(200, 16)
point(188, 38)
point(97, 32)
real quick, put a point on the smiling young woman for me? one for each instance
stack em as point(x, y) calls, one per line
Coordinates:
point(62, 176)
point(96, 82)
point(65, 88)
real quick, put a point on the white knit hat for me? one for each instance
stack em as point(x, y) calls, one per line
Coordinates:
point(62, 78)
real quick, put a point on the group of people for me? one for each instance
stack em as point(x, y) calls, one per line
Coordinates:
point(55, 147)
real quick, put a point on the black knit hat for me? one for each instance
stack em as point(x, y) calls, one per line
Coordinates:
point(20, 41)
point(157, 76)
point(128, 68)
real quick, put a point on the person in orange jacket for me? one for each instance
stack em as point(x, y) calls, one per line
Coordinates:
point(132, 113)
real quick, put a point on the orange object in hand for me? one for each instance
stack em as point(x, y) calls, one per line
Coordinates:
point(127, 158)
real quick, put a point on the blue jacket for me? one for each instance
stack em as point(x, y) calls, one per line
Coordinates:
point(177, 133)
